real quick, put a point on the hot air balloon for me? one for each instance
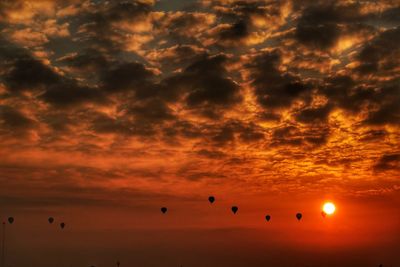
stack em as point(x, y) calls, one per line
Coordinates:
point(299, 216)
point(11, 220)
point(211, 199)
point(51, 220)
point(118, 263)
point(268, 217)
point(62, 225)
point(234, 209)
point(323, 213)
point(164, 210)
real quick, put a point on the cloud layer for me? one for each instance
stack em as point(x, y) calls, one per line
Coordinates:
point(241, 96)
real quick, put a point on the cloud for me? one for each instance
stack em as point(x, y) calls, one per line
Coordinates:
point(205, 86)
point(381, 54)
point(344, 92)
point(388, 162)
point(320, 26)
point(176, 57)
point(246, 23)
point(188, 25)
point(130, 76)
point(310, 115)
point(272, 88)
point(110, 25)
point(70, 94)
point(389, 110)
point(12, 119)
point(294, 136)
point(28, 73)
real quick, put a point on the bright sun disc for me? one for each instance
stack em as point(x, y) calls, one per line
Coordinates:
point(329, 208)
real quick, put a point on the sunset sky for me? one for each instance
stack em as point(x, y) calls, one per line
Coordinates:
point(110, 110)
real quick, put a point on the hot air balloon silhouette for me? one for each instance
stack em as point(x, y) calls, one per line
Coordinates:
point(323, 213)
point(268, 217)
point(118, 263)
point(11, 220)
point(234, 209)
point(299, 216)
point(51, 220)
point(164, 210)
point(62, 225)
point(211, 199)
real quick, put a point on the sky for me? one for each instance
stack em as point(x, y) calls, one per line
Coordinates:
point(110, 110)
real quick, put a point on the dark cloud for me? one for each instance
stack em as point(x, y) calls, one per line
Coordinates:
point(294, 136)
point(224, 135)
point(239, 19)
point(58, 121)
point(205, 85)
point(186, 129)
point(28, 73)
point(237, 31)
point(288, 135)
point(273, 88)
point(388, 162)
point(89, 60)
point(69, 94)
point(131, 76)
point(153, 110)
point(105, 124)
point(374, 135)
point(97, 28)
point(391, 16)
point(184, 25)
point(388, 111)
point(320, 26)
point(145, 118)
point(212, 154)
point(268, 116)
point(345, 93)
point(311, 115)
point(381, 55)
point(177, 57)
point(251, 133)
point(13, 120)
point(235, 131)
point(386, 114)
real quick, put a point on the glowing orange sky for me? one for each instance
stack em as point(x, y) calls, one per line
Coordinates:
point(111, 109)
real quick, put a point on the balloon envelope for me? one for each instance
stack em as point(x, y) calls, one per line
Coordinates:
point(323, 213)
point(234, 209)
point(211, 199)
point(164, 209)
point(268, 217)
point(299, 216)
point(51, 219)
point(62, 225)
point(10, 220)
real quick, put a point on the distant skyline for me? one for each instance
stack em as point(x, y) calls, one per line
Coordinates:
point(111, 110)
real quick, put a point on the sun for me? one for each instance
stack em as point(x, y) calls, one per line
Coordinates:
point(329, 208)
